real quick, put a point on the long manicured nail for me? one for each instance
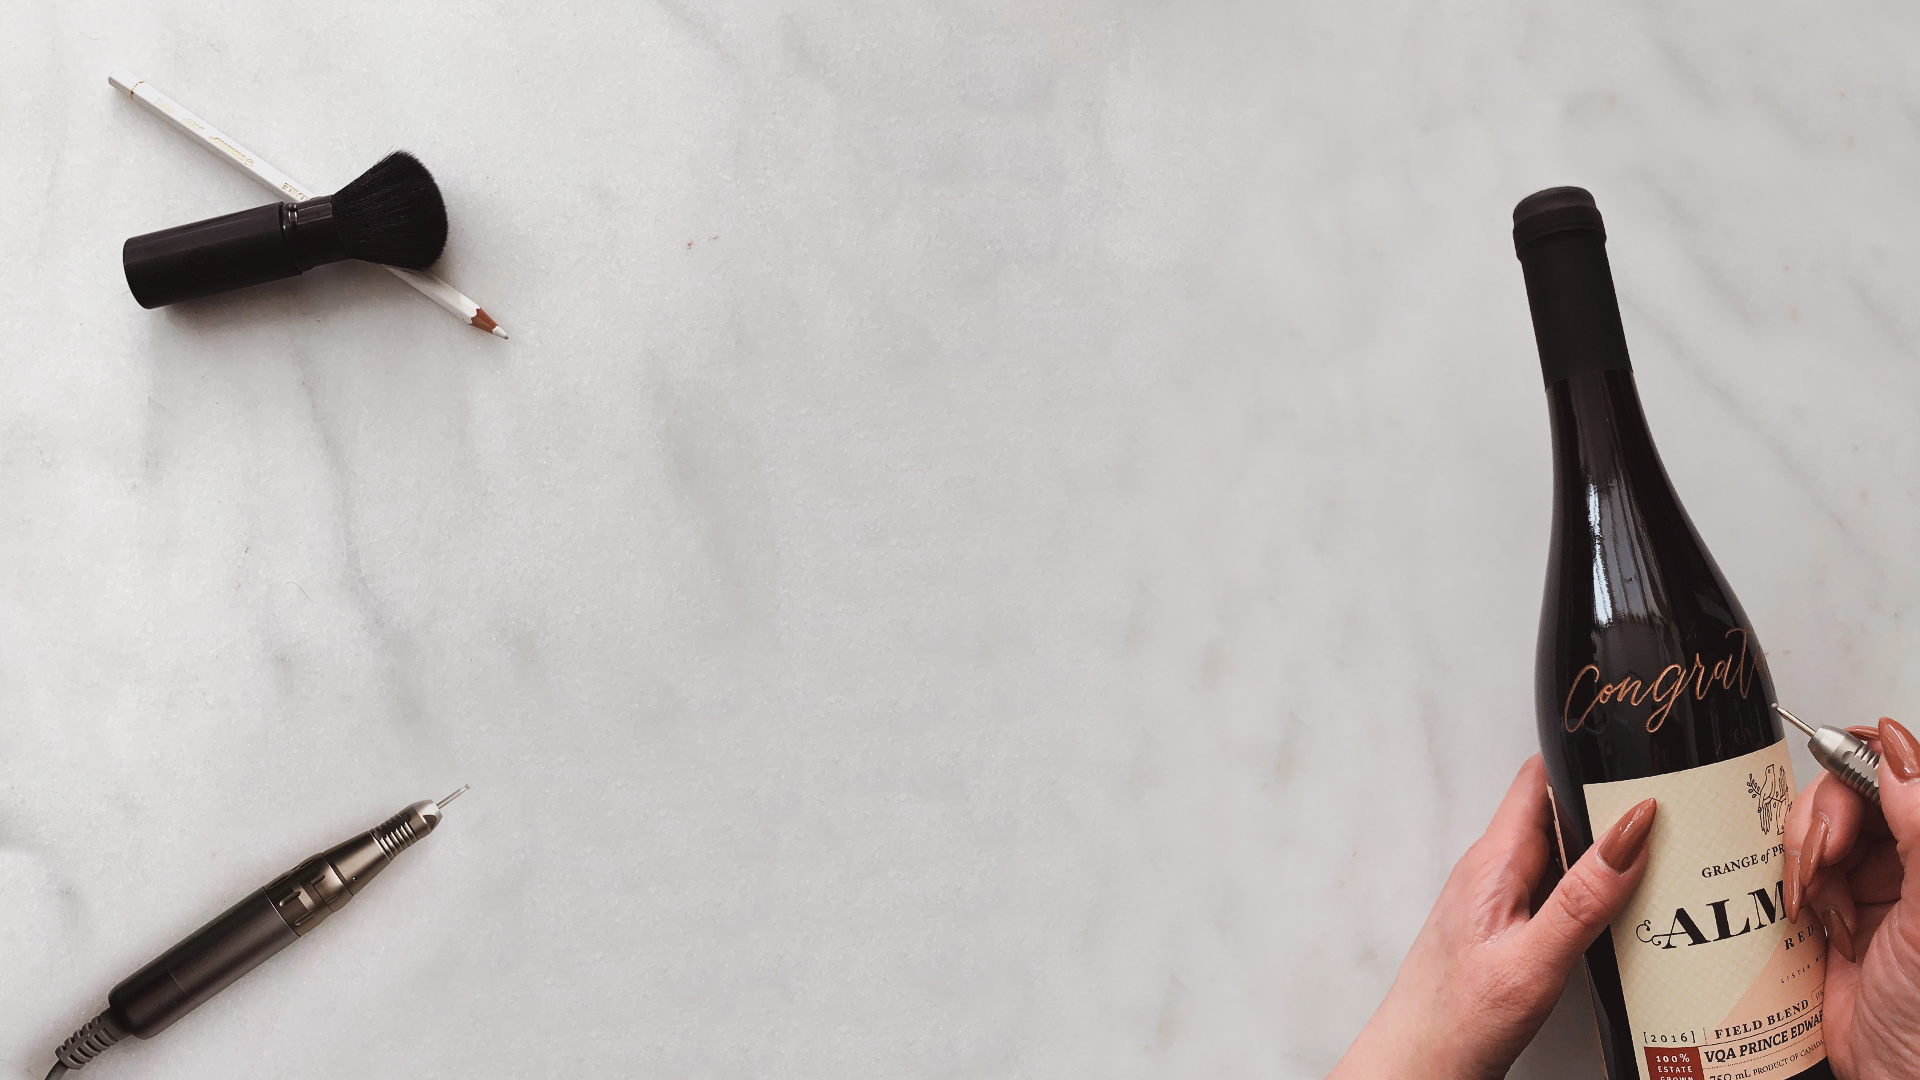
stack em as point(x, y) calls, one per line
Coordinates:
point(1794, 888)
point(1901, 752)
point(1838, 935)
point(1628, 837)
point(1811, 849)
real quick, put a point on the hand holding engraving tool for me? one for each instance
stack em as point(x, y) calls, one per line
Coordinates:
point(184, 977)
point(1845, 756)
point(177, 116)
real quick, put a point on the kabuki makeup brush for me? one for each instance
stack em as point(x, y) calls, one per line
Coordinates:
point(221, 145)
point(392, 215)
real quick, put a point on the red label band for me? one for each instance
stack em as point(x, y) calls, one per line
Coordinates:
point(1677, 1063)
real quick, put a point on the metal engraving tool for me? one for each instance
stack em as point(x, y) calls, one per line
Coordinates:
point(184, 977)
point(1843, 754)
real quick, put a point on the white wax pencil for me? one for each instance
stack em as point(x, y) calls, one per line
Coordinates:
point(248, 162)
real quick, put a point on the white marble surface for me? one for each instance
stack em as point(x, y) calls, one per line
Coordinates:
point(966, 481)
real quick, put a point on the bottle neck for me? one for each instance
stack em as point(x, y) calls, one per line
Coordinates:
point(1600, 433)
point(1617, 523)
point(1576, 316)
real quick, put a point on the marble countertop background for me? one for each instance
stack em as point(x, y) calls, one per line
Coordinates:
point(966, 480)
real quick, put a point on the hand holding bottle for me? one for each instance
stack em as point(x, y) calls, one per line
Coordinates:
point(1490, 962)
point(1855, 867)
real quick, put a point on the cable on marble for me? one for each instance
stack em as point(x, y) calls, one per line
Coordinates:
point(93, 1038)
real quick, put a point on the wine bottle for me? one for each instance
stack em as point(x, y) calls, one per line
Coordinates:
point(1649, 682)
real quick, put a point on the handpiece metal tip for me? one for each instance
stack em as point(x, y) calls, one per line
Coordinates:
point(1795, 721)
point(442, 804)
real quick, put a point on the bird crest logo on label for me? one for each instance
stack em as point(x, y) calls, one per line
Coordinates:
point(1772, 794)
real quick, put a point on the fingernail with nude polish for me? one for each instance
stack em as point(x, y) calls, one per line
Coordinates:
point(1838, 935)
point(1812, 847)
point(1628, 838)
point(1901, 752)
point(1794, 888)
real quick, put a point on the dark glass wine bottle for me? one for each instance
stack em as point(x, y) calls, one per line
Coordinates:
point(1649, 682)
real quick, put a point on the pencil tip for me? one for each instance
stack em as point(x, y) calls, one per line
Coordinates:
point(484, 321)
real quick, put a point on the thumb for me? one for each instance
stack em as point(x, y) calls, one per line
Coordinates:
point(1900, 788)
point(1591, 893)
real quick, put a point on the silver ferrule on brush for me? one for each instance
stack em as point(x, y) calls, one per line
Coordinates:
point(184, 977)
point(1843, 754)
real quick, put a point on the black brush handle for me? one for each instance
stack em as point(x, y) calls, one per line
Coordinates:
point(263, 244)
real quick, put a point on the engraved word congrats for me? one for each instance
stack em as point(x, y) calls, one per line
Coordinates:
point(1733, 673)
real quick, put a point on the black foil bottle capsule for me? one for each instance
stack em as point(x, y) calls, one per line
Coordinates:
point(1647, 664)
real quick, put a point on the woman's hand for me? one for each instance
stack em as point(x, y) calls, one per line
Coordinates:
point(1483, 975)
point(1855, 868)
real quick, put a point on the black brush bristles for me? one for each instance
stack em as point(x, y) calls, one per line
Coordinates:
point(392, 214)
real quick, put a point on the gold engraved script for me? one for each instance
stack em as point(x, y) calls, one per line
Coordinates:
point(228, 147)
point(1733, 673)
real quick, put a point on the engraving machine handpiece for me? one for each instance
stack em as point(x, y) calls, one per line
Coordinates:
point(207, 962)
point(1843, 754)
